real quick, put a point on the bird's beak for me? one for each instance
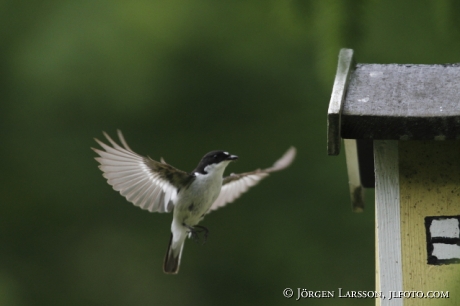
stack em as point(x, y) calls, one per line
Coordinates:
point(232, 157)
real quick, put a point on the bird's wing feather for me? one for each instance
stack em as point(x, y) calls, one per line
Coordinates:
point(235, 185)
point(146, 183)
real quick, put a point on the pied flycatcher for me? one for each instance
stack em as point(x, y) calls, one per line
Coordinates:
point(159, 187)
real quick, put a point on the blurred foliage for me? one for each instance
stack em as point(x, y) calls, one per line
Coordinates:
point(181, 78)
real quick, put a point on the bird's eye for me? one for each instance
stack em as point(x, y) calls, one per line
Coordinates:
point(214, 156)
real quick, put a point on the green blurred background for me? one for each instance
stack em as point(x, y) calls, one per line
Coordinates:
point(181, 78)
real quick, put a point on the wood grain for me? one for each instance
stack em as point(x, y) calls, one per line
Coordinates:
point(387, 215)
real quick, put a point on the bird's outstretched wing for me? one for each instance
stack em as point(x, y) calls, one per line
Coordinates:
point(235, 185)
point(146, 183)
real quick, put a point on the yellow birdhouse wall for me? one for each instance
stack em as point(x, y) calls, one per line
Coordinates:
point(429, 180)
point(415, 182)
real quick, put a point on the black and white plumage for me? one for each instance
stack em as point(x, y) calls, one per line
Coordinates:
point(159, 187)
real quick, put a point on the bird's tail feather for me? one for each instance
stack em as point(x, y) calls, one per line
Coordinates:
point(172, 258)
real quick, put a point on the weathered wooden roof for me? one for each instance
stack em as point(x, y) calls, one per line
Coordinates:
point(393, 101)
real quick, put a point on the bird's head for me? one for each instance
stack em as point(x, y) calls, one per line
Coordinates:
point(214, 160)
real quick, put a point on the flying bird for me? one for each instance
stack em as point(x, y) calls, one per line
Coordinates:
point(159, 187)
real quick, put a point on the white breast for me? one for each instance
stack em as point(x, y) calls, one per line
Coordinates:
point(201, 193)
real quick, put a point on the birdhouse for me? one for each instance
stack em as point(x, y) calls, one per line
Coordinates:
point(401, 130)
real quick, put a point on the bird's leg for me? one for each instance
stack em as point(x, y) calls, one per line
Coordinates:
point(203, 229)
point(194, 231)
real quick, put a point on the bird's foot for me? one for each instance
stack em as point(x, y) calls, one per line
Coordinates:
point(194, 231)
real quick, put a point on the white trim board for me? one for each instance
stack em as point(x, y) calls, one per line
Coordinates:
point(387, 218)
